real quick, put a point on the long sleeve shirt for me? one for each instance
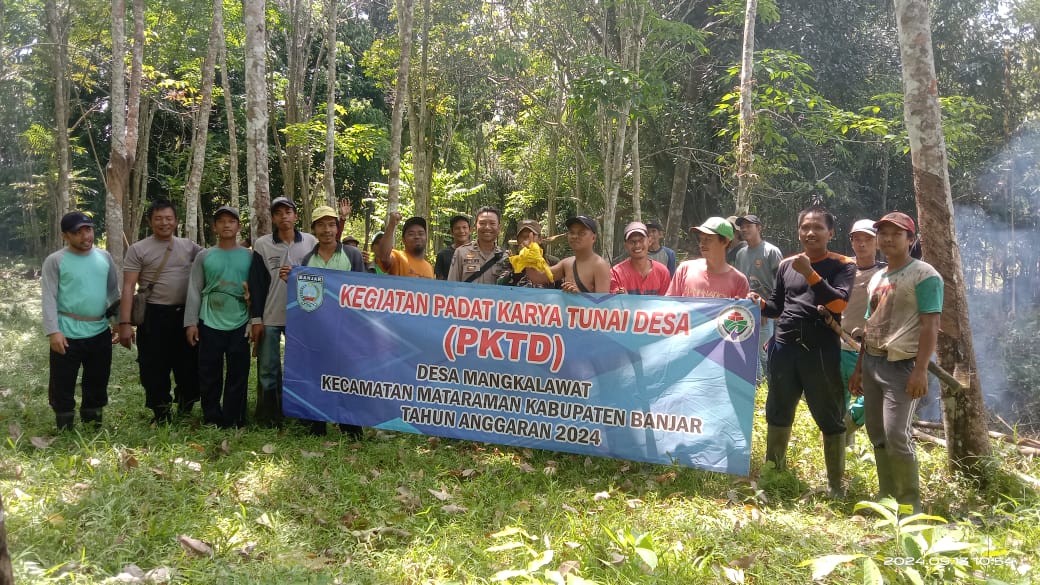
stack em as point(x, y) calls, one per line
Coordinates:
point(795, 298)
point(84, 285)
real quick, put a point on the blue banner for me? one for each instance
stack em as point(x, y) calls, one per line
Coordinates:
point(654, 379)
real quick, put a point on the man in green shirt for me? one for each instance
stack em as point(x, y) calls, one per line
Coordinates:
point(79, 284)
point(215, 317)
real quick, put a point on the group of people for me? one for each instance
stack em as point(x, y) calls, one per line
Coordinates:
point(204, 307)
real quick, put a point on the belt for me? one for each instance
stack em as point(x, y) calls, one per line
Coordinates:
point(81, 317)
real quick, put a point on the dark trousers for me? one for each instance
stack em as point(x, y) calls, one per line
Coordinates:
point(795, 369)
point(95, 355)
point(216, 346)
point(161, 349)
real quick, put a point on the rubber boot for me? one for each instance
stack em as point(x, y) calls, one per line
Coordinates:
point(884, 473)
point(777, 439)
point(65, 420)
point(850, 430)
point(90, 417)
point(353, 431)
point(906, 482)
point(834, 458)
point(184, 409)
point(316, 428)
point(161, 415)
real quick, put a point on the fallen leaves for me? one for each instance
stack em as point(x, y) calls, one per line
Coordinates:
point(15, 430)
point(41, 443)
point(194, 546)
point(454, 509)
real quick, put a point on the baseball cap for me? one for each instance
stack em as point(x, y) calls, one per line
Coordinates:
point(654, 225)
point(748, 219)
point(282, 201)
point(351, 239)
point(529, 224)
point(716, 225)
point(864, 226)
point(376, 237)
point(413, 221)
point(585, 221)
point(323, 211)
point(226, 209)
point(898, 219)
point(635, 227)
point(73, 220)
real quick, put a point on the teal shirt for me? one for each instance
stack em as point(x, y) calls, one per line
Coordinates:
point(83, 285)
point(215, 292)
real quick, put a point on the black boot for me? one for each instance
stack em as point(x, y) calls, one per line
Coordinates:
point(355, 432)
point(777, 439)
point(161, 415)
point(90, 417)
point(834, 458)
point(65, 420)
point(317, 428)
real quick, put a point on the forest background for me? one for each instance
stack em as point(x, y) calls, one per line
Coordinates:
point(622, 110)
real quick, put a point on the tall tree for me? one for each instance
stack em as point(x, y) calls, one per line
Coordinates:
point(201, 128)
point(258, 179)
point(744, 143)
point(963, 411)
point(58, 33)
point(330, 106)
point(229, 107)
point(125, 111)
point(405, 12)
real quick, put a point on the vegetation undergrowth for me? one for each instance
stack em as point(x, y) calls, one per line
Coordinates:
point(186, 503)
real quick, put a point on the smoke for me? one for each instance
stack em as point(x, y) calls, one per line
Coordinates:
point(1000, 251)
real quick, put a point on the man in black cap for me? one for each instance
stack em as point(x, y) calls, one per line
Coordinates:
point(79, 285)
point(586, 271)
point(412, 260)
point(460, 232)
point(273, 256)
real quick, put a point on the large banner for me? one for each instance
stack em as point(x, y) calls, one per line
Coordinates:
point(651, 379)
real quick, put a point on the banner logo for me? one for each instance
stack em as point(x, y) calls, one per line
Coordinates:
point(310, 290)
point(735, 323)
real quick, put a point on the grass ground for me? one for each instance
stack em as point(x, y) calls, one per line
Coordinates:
point(194, 504)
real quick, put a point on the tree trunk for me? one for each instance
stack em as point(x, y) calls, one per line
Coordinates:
point(420, 116)
point(57, 29)
point(225, 84)
point(125, 114)
point(637, 175)
point(201, 131)
point(405, 12)
point(257, 176)
point(964, 413)
point(746, 123)
point(330, 108)
point(139, 176)
point(680, 184)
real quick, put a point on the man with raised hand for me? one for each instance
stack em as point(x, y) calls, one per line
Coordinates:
point(161, 264)
point(863, 238)
point(805, 356)
point(460, 231)
point(710, 275)
point(79, 285)
point(639, 274)
point(273, 256)
point(480, 261)
point(216, 316)
point(901, 334)
point(331, 255)
point(412, 260)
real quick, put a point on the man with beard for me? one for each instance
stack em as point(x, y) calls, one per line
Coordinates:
point(273, 256)
point(410, 262)
point(161, 265)
point(480, 261)
point(79, 284)
point(805, 356)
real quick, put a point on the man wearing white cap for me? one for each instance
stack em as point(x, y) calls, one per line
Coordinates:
point(639, 274)
point(863, 238)
point(710, 276)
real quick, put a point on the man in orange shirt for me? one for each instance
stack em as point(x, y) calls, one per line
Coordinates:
point(412, 260)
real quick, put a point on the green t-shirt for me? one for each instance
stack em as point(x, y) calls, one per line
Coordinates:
point(215, 291)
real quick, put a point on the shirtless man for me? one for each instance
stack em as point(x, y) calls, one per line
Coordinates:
point(586, 271)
